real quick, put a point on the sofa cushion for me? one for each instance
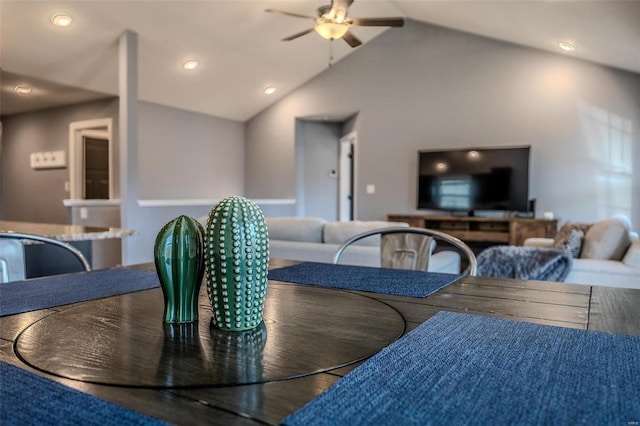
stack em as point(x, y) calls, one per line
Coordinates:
point(632, 256)
point(339, 232)
point(203, 221)
point(538, 242)
point(606, 239)
point(608, 273)
point(307, 229)
point(566, 232)
point(445, 261)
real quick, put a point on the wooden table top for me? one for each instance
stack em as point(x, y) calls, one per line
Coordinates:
point(380, 317)
point(65, 232)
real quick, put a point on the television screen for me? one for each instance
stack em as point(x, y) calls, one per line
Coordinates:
point(474, 179)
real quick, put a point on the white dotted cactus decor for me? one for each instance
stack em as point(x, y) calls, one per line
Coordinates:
point(237, 258)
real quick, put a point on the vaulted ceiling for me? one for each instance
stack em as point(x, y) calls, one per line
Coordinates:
point(240, 51)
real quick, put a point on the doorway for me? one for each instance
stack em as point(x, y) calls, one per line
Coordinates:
point(325, 170)
point(96, 167)
point(91, 160)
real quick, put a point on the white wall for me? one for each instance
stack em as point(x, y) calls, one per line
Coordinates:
point(427, 87)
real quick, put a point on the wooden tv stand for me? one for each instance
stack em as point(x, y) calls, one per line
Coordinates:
point(484, 230)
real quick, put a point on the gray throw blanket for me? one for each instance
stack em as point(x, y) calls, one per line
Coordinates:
point(527, 263)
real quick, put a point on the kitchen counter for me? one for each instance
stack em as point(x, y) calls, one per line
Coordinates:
point(66, 232)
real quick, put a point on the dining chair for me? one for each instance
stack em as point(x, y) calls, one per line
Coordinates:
point(13, 260)
point(410, 248)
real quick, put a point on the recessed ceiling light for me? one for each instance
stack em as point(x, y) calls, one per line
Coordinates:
point(566, 46)
point(190, 64)
point(442, 167)
point(61, 20)
point(22, 90)
point(269, 90)
point(473, 155)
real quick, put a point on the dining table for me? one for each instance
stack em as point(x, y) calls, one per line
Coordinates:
point(118, 349)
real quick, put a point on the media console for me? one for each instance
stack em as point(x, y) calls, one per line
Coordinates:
point(477, 231)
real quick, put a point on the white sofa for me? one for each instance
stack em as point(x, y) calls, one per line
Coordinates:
point(608, 252)
point(317, 240)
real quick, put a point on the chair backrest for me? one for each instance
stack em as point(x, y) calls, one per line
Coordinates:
point(13, 259)
point(410, 248)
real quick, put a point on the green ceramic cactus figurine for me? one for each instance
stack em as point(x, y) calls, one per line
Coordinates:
point(179, 259)
point(237, 258)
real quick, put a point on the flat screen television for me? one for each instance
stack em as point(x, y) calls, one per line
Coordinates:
point(467, 180)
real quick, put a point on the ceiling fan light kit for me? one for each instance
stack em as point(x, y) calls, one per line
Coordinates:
point(331, 30)
point(332, 22)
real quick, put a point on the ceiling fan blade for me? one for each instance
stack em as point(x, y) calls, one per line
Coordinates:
point(295, 15)
point(352, 40)
point(300, 34)
point(377, 22)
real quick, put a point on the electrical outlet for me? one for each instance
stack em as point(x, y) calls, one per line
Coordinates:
point(48, 160)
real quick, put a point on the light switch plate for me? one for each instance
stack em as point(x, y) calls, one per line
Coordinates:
point(48, 160)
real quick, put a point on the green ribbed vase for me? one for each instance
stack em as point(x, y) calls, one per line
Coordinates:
point(237, 258)
point(179, 258)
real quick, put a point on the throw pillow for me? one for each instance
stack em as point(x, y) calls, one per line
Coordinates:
point(606, 239)
point(573, 244)
point(564, 233)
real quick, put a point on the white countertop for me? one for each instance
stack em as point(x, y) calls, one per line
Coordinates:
point(65, 232)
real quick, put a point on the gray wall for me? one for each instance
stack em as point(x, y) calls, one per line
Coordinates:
point(427, 87)
point(36, 195)
point(182, 156)
point(186, 155)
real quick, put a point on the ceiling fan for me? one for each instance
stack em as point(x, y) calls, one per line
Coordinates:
point(332, 22)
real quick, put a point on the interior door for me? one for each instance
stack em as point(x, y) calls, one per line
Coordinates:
point(96, 168)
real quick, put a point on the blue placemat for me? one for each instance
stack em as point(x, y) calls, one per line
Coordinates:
point(379, 280)
point(464, 369)
point(29, 399)
point(39, 293)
